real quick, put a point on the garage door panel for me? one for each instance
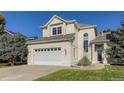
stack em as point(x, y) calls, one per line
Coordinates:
point(48, 56)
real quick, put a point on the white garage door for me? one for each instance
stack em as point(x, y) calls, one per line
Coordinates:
point(48, 56)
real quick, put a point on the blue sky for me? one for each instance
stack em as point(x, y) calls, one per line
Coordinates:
point(28, 23)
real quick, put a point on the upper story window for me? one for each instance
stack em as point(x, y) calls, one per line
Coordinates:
point(54, 31)
point(85, 42)
point(57, 30)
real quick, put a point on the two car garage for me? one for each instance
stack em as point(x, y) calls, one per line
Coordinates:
point(48, 56)
point(54, 50)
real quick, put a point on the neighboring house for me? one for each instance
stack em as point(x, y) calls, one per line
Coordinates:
point(65, 42)
point(11, 33)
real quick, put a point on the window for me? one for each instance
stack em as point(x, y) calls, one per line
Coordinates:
point(54, 31)
point(57, 30)
point(85, 36)
point(35, 50)
point(38, 50)
point(41, 49)
point(51, 49)
point(48, 49)
point(59, 49)
point(55, 49)
point(85, 45)
point(85, 42)
point(44, 49)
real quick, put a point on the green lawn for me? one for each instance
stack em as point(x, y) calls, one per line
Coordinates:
point(108, 73)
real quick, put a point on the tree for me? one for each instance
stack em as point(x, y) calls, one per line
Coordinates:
point(107, 30)
point(2, 23)
point(116, 50)
point(13, 48)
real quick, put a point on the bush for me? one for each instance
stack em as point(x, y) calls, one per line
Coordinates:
point(84, 61)
point(115, 61)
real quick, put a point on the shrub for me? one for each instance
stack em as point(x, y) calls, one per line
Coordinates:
point(84, 61)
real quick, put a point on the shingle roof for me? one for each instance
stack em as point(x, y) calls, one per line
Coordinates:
point(101, 38)
point(13, 33)
point(58, 38)
point(83, 25)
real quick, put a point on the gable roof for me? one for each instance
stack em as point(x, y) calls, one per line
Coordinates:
point(55, 16)
point(59, 38)
point(78, 25)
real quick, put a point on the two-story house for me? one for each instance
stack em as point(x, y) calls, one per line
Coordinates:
point(65, 42)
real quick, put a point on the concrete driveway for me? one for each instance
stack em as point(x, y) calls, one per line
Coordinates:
point(26, 72)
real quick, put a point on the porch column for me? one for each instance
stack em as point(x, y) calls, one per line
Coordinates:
point(93, 54)
point(104, 54)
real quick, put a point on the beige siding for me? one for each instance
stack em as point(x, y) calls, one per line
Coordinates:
point(75, 48)
point(47, 32)
point(55, 21)
point(66, 28)
point(91, 36)
point(70, 28)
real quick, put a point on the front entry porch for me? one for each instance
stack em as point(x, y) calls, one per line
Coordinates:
point(98, 53)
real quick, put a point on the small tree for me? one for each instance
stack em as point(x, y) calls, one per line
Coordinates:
point(84, 61)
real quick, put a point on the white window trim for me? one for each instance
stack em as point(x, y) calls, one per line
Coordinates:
point(51, 30)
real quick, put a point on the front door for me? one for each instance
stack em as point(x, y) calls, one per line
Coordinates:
point(99, 56)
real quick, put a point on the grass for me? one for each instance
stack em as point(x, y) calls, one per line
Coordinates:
point(109, 73)
point(4, 65)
